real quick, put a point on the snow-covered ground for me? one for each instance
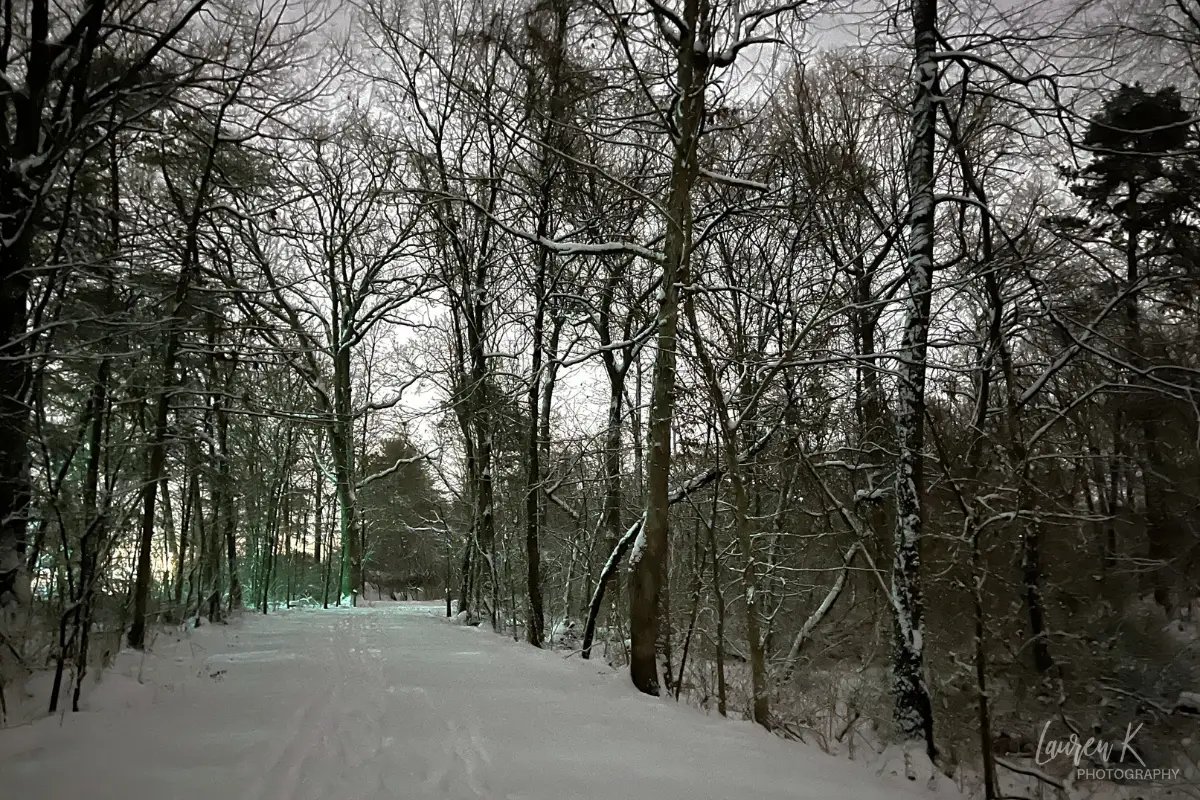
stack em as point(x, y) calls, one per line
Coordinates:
point(393, 702)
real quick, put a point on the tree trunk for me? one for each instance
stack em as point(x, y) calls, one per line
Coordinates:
point(328, 567)
point(198, 534)
point(287, 544)
point(719, 604)
point(156, 464)
point(200, 561)
point(168, 517)
point(1031, 590)
point(698, 560)
point(819, 613)
point(1158, 521)
point(913, 710)
point(81, 595)
point(342, 439)
point(235, 581)
point(185, 527)
point(229, 502)
point(318, 513)
point(728, 419)
point(533, 451)
point(212, 558)
point(650, 552)
point(94, 532)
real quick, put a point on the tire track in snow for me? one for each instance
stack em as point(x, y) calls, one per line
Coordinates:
point(338, 745)
point(356, 736)
point(351, 736)
point(475, 759)
point(287, 782)
point(278, 776)
point(464, 764)
point(305, 741)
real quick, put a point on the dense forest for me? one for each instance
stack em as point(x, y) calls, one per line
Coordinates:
point(834, 366)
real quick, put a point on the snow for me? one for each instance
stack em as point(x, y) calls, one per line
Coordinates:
point(1188, 703)
point(393, 702)
point(909, 760)
point(639, 548)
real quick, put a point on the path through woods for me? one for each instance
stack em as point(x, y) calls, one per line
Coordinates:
point(392, 702)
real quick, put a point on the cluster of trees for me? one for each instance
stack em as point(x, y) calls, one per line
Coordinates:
point(643, 319)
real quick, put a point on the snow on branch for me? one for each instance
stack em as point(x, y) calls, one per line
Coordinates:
point(815, 618)
point(383, 405)
point(730, 54)
point(744, 29)
point(552, 494)
point(634, 533)
point(685, 489)
point(758, 15)
point(400, 462)
point(661, 12)
point(744, 183)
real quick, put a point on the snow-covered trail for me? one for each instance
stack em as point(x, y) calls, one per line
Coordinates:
point(392, 702)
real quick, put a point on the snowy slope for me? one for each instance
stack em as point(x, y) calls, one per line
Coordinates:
point(393, 702)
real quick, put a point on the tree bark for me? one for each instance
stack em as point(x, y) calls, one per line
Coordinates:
point(230, 505)
point(342, 439)
point(533, 452)
point(156, 464)
point(1157, 516)
point(719, 603)
point(14, 382)
point(650, 552)
point(913, 710)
